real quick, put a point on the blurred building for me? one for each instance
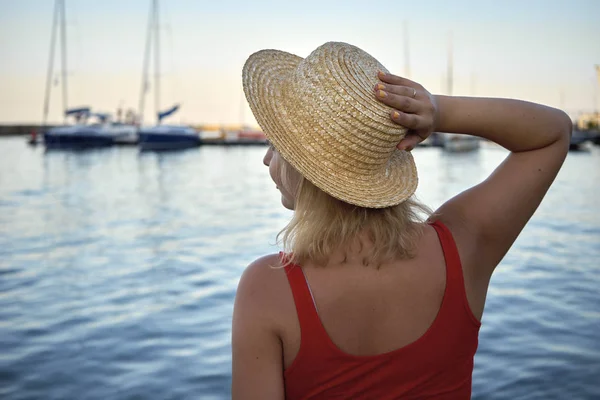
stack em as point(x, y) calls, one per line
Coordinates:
point(588, 121)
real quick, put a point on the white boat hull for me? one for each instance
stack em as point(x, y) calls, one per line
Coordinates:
point(460, 143)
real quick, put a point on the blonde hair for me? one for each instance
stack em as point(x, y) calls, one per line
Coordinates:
point(322, 224)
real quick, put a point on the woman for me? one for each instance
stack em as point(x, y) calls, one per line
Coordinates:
point(369, 301)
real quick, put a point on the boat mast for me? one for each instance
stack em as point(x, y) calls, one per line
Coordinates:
point(561, 98)
point(450, 72)
point(242, 113)
point(406, 52)
point(596, 94)
point(156, 62)
point(63, 48)
point(50, 64)
point(146, 64)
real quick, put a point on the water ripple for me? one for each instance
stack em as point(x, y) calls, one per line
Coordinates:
point(118, 272)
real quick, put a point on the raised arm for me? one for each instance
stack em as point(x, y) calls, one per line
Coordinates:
point(516, 125)
point(487, 218)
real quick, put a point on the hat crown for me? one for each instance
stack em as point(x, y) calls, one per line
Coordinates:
point(322, 116)
point(334, 88)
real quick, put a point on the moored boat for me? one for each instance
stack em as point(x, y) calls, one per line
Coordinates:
point(579, 138)
point(160, 137)
point(455, 143)
point(100, 134)
point(168, 137)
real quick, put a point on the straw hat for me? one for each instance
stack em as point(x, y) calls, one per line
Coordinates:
point(322, 116)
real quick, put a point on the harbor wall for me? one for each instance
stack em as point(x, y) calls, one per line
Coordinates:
point(20, 130)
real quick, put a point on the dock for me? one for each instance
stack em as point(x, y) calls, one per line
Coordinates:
point(211, 138)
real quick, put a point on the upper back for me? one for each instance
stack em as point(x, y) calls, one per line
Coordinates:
point(405, 328)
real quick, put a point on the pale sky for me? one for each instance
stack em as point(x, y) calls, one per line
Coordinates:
point(538, 50)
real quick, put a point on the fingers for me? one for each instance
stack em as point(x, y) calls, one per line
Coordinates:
point(397, 80)
point(401, 103)
point(412, 106)
point(399, 90)
point(410, 121)
point(409, 142)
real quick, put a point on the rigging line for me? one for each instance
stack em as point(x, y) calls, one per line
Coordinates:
point(174, 86)
point(145, 65)
point(63, 36)
point(50, 66)
point(79, 48)
point(156, 62)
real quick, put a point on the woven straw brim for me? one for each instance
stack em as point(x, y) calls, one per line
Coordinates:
point(340, 142)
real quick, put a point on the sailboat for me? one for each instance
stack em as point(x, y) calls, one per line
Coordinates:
point(587, 127)
point(160, 137)
point(82, 134)
point(452, 142)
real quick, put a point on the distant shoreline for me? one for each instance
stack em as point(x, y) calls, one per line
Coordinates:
point(20, 129)
point(26, 129)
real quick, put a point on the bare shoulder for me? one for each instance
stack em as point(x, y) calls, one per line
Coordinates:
point(257, 353)
point(262, 289)
point(261, 272)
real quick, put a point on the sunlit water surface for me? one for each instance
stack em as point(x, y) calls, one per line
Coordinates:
point(118, 271)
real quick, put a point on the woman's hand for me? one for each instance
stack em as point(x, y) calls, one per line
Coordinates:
point(415, 108)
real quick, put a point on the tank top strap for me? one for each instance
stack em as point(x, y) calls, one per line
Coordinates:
point(312, 331)
point(449, 248)
point(455, 284)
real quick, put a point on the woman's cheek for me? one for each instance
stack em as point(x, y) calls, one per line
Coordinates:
point(273, 171)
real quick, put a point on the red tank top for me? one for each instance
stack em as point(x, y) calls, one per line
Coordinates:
point(438, 365)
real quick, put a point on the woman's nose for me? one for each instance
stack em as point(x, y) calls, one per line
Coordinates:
point(267, 157)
